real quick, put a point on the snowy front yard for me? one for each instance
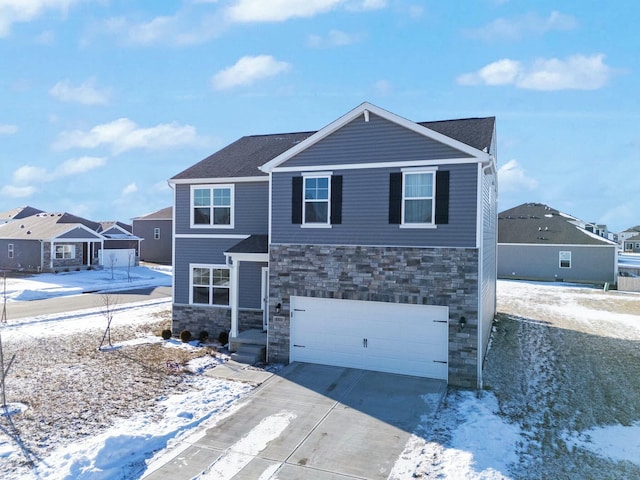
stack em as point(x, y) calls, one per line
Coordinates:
point(561, 398)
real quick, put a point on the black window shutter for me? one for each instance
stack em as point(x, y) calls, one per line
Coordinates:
point(296, 200)
point(395, 198)
point(336, 199)
point(442, 197)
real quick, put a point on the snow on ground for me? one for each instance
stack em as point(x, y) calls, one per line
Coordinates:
point(563, 398)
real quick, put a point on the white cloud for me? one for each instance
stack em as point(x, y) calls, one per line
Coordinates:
point(383, 88)
point(161, 187)
point(29, 174)
point(578, 72)
point(17, 192)
point(129, 189)
point(335, 38)
point(512, 178)
point(520, 27)
point(245, 11)
point(85, 93)
point(76, 166)
point(123, 134)
point(6, 129)
point(247, 71)
point(16, 11)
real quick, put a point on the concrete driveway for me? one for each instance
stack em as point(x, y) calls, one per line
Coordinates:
point(311, 422)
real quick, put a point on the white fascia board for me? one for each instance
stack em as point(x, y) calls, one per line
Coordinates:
point(362, 166)
point(392, 117)
point(195, 181)
point(248, 257)
point(211, 235)
point(93, 234)
point(562, 245)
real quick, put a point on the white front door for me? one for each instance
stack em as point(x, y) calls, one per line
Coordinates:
point(265, 297)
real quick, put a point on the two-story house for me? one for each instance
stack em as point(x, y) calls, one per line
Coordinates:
point(370, 244)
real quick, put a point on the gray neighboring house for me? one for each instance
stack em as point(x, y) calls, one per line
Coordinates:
point(370, 243)
point(156, 231)
point(538, 242)
point(632, 244)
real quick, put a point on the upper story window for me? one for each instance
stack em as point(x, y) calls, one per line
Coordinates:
point(210, 285)
point(418, 201)
point(10, 250)
point(212, 206)
point(316, 200)
point(156, 233)
point(65, 252)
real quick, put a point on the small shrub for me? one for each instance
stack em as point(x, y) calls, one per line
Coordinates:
point(223, 338)
point(66, 270)
point(89, 267)
point(203, 337)
point(166, 334)
point(185, 336)
point(77, 269)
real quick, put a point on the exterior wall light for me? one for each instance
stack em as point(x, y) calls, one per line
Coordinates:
point(278, 307)
point(462, 323)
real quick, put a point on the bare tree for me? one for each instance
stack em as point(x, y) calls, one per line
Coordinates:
point(131, 262)
point(107, 310)
point(113, 259)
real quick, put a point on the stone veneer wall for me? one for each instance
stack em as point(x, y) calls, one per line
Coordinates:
point(213, 320)
point(60, 264)
point(425, 276)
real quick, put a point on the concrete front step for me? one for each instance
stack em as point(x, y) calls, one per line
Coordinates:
point(249, 354)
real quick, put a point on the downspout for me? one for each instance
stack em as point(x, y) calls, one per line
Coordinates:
point(479, 236)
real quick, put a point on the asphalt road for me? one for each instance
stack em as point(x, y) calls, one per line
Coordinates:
point(35, 308)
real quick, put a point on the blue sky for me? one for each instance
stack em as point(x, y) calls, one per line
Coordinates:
point(102, 100)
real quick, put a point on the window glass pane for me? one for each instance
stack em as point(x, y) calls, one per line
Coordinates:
point(201, 295)
point(202, 216)
point(221, 296)
point(316, 188)
point(418, 185)
point(417, 211)
point(222, 216)
point(221, 277)
point(222, 197)
point(201, 276)
point(316, 212)
point(201, 197)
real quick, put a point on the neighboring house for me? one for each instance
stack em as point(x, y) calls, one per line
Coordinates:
point(156, 231)
point(632, 244)
point(370, 243)
point(538, 242)
point(51, 242)
point(627, 234)
point(18, 213)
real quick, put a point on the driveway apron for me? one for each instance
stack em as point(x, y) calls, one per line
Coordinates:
point(312, 422)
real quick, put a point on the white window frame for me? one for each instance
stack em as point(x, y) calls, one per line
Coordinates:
point(68, 251)
point(316, 175)
point(564, 256)
point(211, 285)
point(10, 250)
point(413, 171)
point(212, 188)
point(156, 233)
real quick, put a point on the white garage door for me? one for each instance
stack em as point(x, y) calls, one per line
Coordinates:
point(385, 337)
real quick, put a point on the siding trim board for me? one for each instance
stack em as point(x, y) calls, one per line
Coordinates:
point(362, 166)
point(193, 181)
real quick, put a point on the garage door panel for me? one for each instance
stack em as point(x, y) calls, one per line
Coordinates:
point(388, 337)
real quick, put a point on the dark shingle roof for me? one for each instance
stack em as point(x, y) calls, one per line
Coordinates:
point(18, 213)
point(162, 214)
point(536, 223)
point(243, 157)
point(253, 244)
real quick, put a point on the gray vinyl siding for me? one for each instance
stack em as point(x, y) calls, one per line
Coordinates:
point(251, 210)
point(378, 140)
point(152, 250)
point(589, 264)
point(79, 233)
point(251, 285)
point(26, 255)
point(488, 259)
point(365, 212)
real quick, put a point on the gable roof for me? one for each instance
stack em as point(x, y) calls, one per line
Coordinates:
point(18, 213)
point(111, 224)
point(539, 224)
point(365, 109)
point(255, 155)
point(46, 226)
point(162, 214)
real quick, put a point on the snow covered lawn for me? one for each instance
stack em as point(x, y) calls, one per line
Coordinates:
point(561, 398)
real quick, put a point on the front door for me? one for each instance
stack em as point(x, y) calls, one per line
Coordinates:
point(265, 297)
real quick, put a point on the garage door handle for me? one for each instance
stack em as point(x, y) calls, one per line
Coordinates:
point(439, 361)
point(299, 346)
point(365, 343)
point(440, 321)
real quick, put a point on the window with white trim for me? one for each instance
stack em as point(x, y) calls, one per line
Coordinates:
point(316, 200)
point(565, 259)
point(65, 252)
point(10, 250)
point(212, 206)
point(156, 233)
point(210, 285)
point(418, 198)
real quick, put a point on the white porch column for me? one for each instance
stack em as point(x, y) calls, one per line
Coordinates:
point(234, 274)
point(52, 255)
